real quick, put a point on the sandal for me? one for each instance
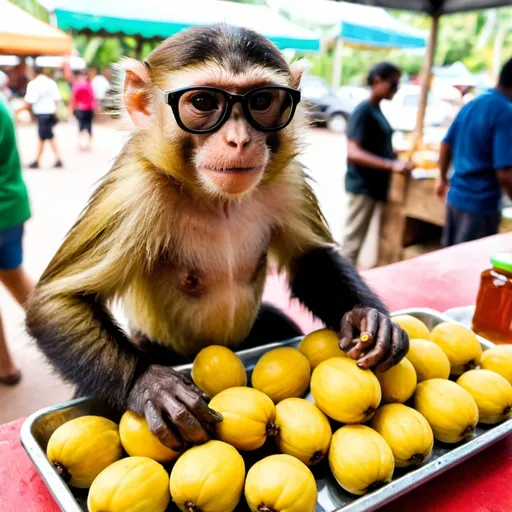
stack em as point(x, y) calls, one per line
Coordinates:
point(12, 379)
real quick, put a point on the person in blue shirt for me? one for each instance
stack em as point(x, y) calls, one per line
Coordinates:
point(479, 143)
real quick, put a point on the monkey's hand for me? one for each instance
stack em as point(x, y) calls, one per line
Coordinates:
point(163, 395)
point(371, 337)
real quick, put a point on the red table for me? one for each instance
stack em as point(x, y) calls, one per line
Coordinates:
point(440, 280)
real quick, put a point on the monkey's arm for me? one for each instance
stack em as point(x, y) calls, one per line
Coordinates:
point(332, 289)
point(68, 315)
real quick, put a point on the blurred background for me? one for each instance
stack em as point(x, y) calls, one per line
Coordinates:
point(341, 41)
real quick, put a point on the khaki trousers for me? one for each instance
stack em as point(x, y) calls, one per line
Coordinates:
point(361, 210)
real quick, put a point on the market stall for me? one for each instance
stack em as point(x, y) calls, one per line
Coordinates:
point(482, 482)
point(356, 26)
point(413, 218)
point(153, 20)
point(22, 34)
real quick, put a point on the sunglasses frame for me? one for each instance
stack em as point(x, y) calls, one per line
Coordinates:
point(172, 99)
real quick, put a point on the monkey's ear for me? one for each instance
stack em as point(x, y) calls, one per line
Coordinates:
point(298, 67)
point(137, 85)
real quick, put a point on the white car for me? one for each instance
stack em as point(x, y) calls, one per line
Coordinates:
point(402, 110)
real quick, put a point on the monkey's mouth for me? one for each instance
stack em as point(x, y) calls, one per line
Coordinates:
point(235, 170)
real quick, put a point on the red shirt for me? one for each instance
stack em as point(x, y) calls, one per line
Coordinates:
point(83, 96)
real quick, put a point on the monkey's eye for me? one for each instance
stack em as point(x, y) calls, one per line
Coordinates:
point(204, 102)
point(260, 101)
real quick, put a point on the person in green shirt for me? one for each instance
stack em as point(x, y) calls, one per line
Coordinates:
point(14, 212)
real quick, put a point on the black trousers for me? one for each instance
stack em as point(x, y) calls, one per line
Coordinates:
point(463, 226)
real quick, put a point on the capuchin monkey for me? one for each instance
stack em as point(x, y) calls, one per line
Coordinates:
point(180, 231)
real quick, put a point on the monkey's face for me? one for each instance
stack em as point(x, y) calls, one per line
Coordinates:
point(231, 122)
point(221, 124)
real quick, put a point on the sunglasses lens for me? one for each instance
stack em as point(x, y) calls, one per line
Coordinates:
point(270, 108)
point(201, 109)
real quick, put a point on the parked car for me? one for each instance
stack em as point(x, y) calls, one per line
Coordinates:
point(325, 107)
point(402, 110)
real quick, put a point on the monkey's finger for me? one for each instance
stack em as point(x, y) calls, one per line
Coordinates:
point(185, 379)
point(382, 347)
point(347, 332)
point(189, 427)
point(369, 325)
point(159, 428)
point(363, 346)
point(399, 348)
point(196, 405)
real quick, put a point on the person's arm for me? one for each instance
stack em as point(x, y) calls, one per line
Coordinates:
point(505, 180)
point(72, 101)
point(502, 150)
point(445, 160)
point(359, 156)
point(29, 99)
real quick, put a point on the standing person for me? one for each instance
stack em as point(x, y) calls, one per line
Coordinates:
point(82, 103)
point(479, 143)
point(100, 86)
point(43, 97)
point(371, 158)
point(14, 212)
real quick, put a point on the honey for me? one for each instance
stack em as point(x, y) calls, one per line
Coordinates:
point(493, 313)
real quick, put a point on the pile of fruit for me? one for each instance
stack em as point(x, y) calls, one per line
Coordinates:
point(378, 431)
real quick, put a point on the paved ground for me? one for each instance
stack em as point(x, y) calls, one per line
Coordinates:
point(57, 197)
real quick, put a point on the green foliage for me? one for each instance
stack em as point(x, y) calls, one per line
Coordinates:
point(32, 7)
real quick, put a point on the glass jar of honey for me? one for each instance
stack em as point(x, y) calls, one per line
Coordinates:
point(493, 313)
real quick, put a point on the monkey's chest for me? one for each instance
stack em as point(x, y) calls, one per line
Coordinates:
point(208, 287)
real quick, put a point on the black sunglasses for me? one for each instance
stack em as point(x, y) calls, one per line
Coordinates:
point(394, 84)
point(205, 109)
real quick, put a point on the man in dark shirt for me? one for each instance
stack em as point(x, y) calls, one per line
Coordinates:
point(479, 142)
point(371, 158)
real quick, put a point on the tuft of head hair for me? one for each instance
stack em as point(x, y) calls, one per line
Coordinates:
point(505, 79)
point(382, 70)
point(230, 47)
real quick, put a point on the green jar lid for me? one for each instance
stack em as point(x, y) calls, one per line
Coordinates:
point(502, 261)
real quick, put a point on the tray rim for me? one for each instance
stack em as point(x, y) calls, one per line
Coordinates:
point(367, 503)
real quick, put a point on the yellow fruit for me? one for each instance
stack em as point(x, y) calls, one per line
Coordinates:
point(429, 360)
point(459, 344)
point(135, 484)
point(137, 439)
point(491, 392)
point(280, 483)
point(360, 459)
point(208, 478)
point(217, 368)
point(82, 448)
point(303, 430)
point(414, 327)
point(449, 409)
point(406, 431)
point(398, 383)
point(320, 345)
point(499, 360)
point(249, 417)
point(345, 392)
point(282, 373)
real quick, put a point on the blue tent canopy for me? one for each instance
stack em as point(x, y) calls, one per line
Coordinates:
point(361, 33)
point(160, 19)
point(356, 24)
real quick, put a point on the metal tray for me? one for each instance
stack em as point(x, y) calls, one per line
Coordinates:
point(38, 428)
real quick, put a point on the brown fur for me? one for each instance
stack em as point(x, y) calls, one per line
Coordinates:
point(151, 233)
